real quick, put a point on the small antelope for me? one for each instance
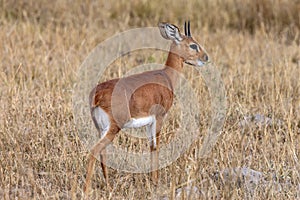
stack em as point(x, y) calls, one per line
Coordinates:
point(141, 99)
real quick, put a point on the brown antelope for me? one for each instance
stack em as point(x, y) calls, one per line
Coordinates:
point(141, 99)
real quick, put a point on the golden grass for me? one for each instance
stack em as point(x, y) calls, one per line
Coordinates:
point(254, 44)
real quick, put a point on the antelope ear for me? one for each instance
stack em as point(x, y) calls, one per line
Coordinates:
point(170, 32)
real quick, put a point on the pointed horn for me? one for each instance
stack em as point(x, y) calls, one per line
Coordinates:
point(185, 31)
point(189, 30)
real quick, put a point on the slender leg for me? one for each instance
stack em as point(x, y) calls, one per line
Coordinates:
point(153, 132)
point(154, 163)
point(156, 160)
point(158, 125)
point(103, 166)
point(96, 150)
point(90, 169)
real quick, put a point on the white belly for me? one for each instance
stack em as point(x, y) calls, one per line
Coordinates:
point(136, 123)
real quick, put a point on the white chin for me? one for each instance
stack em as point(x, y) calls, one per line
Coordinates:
point(200, 63)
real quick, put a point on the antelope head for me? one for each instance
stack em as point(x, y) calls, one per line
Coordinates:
point(184, 45)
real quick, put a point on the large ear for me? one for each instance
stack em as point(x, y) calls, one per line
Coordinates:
point(170, 32)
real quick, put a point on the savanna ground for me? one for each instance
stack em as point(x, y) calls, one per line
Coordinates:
point(254, 44)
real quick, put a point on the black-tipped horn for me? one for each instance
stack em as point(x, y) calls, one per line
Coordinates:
point(185, 31)
point(189, 30)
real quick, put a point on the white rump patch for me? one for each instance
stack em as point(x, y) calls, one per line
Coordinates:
point(102, 120)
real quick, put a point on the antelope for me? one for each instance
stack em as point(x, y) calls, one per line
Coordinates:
point(141, 99)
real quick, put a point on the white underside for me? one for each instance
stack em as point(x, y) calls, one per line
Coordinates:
point(150, 121)
point(140, 122)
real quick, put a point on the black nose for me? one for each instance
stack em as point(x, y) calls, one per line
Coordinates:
point(205, 57)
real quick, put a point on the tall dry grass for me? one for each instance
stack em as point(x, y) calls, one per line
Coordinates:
point(254, 44)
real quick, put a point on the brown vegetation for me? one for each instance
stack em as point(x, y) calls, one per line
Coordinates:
point(254, 44)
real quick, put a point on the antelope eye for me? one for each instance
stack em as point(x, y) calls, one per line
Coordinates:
point(194, 46)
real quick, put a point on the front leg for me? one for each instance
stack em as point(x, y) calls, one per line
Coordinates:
point(153, 132)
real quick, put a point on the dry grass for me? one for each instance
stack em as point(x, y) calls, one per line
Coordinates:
point(255, 45)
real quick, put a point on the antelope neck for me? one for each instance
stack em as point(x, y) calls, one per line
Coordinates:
point(173, 69)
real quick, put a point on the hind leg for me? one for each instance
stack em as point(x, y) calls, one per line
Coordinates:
point(95, 151)
point(102, 123)
point(107, 132)
point(103, 166)
point(91, 161)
